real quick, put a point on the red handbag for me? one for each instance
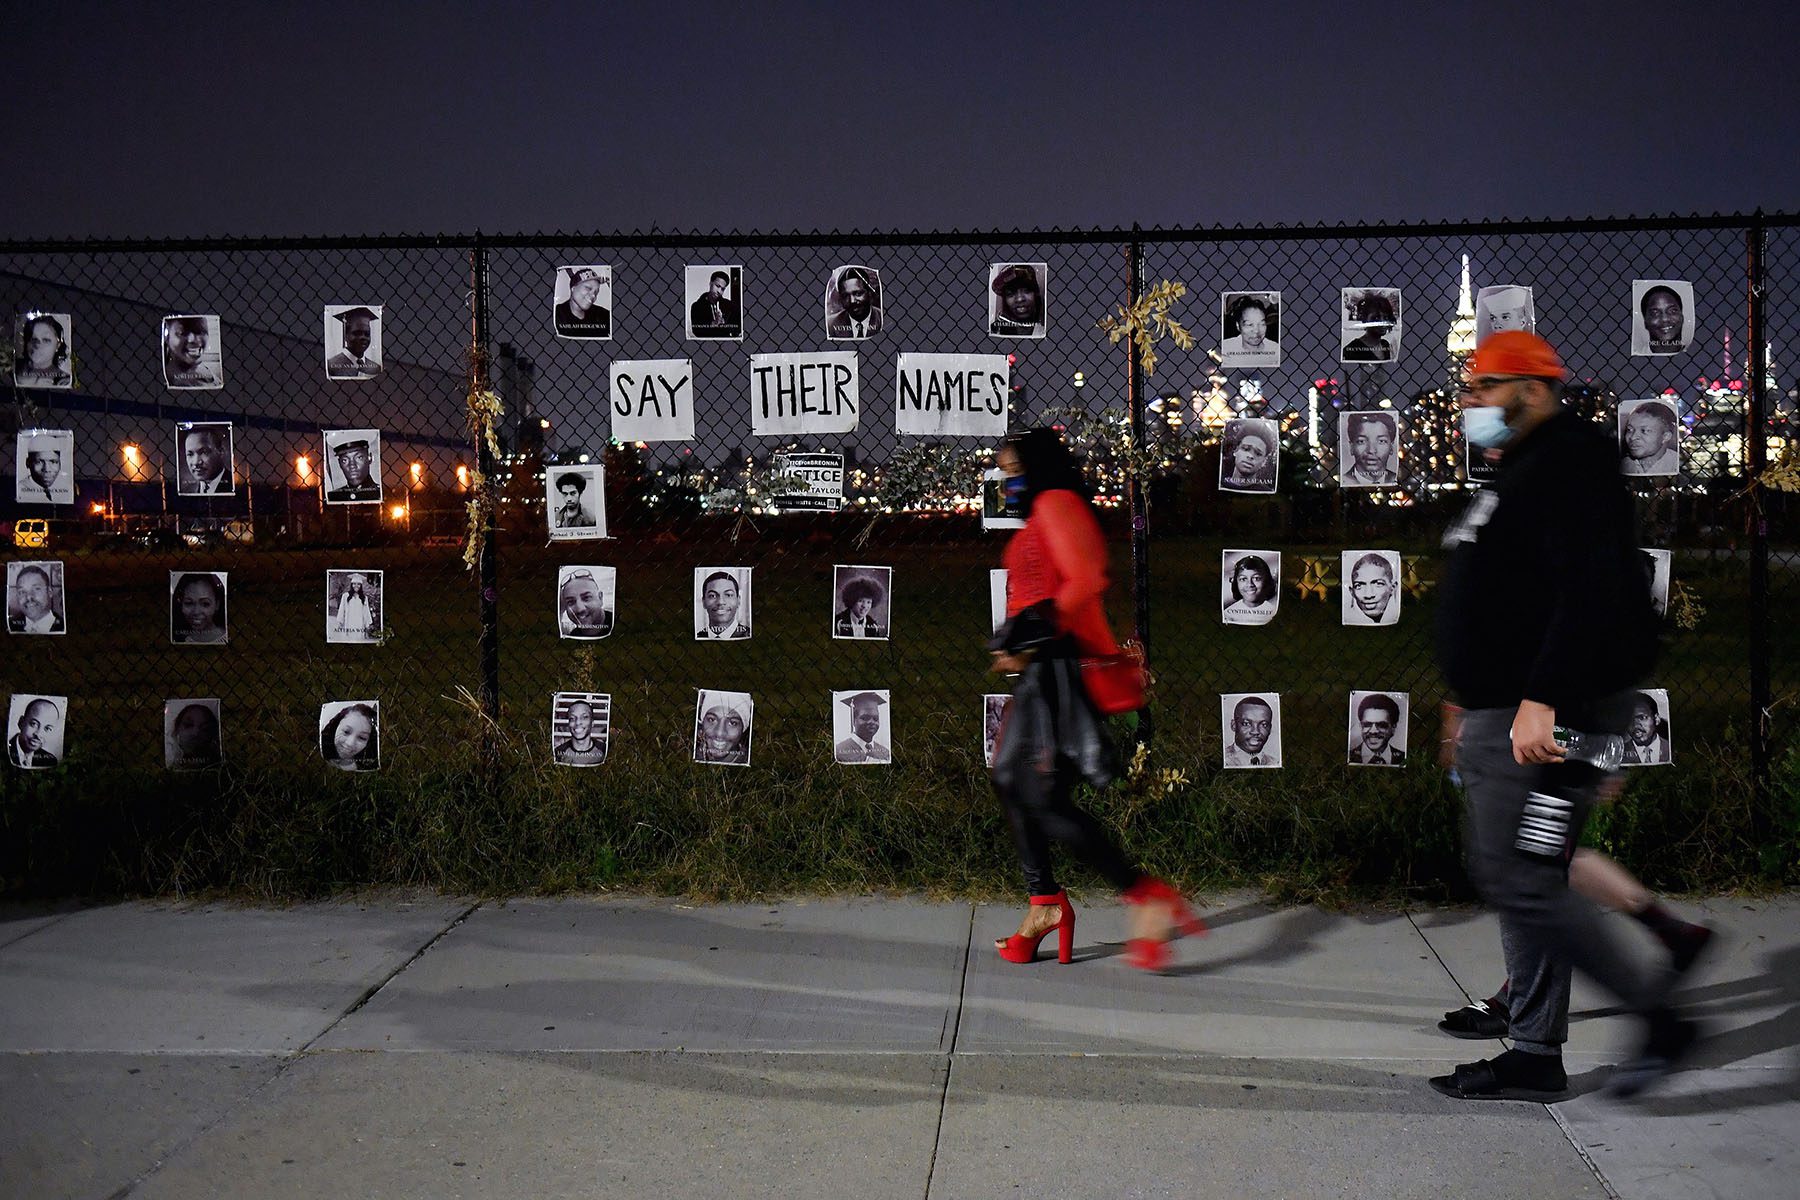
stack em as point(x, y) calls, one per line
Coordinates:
point(1117, 683)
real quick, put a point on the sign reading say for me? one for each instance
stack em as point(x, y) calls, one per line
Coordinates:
point(652, 400)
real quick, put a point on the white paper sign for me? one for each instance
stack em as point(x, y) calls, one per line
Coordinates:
point(652, 400)
point(952, 395)
point(803, 393)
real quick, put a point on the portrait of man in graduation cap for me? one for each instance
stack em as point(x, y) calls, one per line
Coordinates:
point(867, 742)
point(357, 332)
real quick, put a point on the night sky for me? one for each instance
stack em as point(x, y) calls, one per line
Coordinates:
point(277, 118)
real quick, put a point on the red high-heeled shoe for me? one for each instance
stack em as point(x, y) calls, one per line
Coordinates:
point(1021, 949)
point(1152, 954)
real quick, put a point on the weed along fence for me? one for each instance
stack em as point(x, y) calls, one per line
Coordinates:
point(554, 561)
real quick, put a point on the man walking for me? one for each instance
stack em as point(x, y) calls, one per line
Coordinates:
point(1544, 559)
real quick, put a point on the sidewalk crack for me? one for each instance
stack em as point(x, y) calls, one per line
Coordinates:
point(962, 989)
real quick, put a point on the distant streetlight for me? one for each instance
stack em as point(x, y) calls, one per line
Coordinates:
point(1080, 379)
point(462, 476)
point(397, 512)
point(134, 461)
point(303, 468)
point(543, 422)
point(417, 471)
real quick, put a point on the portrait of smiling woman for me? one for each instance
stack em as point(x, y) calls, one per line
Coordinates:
point(197, 608)
point(1250, 594)
point(350, 734)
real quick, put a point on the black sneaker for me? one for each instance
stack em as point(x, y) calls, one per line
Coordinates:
point(1671, 1039)
point(1514, 1075)
point(1478, 1020)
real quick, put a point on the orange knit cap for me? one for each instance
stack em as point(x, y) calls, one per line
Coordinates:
point(1515, 352)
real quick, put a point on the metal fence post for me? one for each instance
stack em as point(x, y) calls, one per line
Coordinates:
point(1140, 505)
point(1756, 439)
point(488, 565)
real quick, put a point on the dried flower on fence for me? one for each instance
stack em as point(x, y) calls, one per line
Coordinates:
point(1148, 321)
point(485, 410)
point(1684, 605)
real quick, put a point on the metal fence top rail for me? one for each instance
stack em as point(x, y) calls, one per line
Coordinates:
point(955, 237)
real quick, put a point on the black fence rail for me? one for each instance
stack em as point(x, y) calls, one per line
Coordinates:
point(255, 560)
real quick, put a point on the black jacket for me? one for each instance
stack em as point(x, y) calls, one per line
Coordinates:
point(1545, 596)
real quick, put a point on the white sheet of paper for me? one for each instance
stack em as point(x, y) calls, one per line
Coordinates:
point(952, 395)
point(812, 392)
point(652, 400)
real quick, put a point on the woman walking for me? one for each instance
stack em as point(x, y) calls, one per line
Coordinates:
point(1051, 737)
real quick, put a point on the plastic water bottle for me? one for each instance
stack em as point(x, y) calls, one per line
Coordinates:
point(1602, 750)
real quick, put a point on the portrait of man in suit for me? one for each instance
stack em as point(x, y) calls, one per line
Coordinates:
point(358, 336)
point(205, 459)
point(853, 304)
point(34, 597)
point(862, 602)
point(865, 741)
point(716, 310)
point(1377, 730)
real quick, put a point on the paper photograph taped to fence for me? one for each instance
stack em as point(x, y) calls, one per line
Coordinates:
point(652, 399)
point(952, 395)
point(852, 304)
point(1251, 729)
point(993, 715)
point(34, 726)
point(352, 466)
point(35, 599)
point(998, 509)
point(1369, 324)
point(350, 734)
point(575, 502)
point(586, 599)
point(43, 351)
point(1250, 329)
point(204, 450)
point(352, 341)
point(1647, 739)
point(721, 604)
point(1018, 299)
point(1479, 465)
point(811, 482)
point(1249, 456)
point(581, 302)
point(191, 740)
point(580, 728)
point(1502, 307)
point(796, 395)
point(197, 614)
point(44, 467)
point(1658, 566)
point(1662, 316)
point(1649, 437)
point(864, 602)
point(1378, 729)
point(353, 606)
point(1250, 586)
point(996, 597)
point(1371, 587)
point(193, 355)
point(860, 731)
point(1368, 449)
point(722, 728)
point(715, 302)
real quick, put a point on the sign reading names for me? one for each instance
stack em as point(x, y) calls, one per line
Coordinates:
point(952, 395)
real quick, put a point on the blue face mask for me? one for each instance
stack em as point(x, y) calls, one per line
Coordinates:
point(1014, 487)
point(1486, 427)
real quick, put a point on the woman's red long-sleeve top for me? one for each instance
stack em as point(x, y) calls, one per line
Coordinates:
point(1060, 555)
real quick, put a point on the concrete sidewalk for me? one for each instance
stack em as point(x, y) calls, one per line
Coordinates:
point(427, 1046)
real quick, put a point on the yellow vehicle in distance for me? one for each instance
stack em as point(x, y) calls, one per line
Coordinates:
point(31, 533)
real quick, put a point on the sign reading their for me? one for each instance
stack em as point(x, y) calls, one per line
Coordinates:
point(821, 476)
point(803, 393)
point(652, 400)
point(949, 395)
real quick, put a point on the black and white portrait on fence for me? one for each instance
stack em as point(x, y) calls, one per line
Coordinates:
point(993, 714)
point(1504, 306)
point(952, 395)
point(191, 740)
point(203, 448)
point(1662, 316)
point(721, 603)
point(715, 302)
point(1252, 729)
point(999, 505)
point(1250, 329)
point(1250, 586)
point(1371, 587)
point(1369, 325)
point(350, 734)
point(722, 728)
point(193, 357)
point(580, 728)
point(1377, 736)
point(585, 601)
point(581, 302)
point(798, 395)
point(35, 730)
point(575, 501)
point(1647, 740)
point(352, 461)
point(352, 341)
point(864, 604)
point(852, 304)
point(353, 606)
point(1649, 437)
point(44, 467)
point(996, 597)
point(1018, 303)
point(34, 598)
point(43, 351)
point(1479, 465)
point(1249, 458)
point(652, 400)
point(1368, 449)
point(1658, 567)
point(197, 608)
point(860, 733)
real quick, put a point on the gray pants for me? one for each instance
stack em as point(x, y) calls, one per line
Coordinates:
point(1520, 830)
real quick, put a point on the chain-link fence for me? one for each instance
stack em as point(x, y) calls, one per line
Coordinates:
point(338, 590)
